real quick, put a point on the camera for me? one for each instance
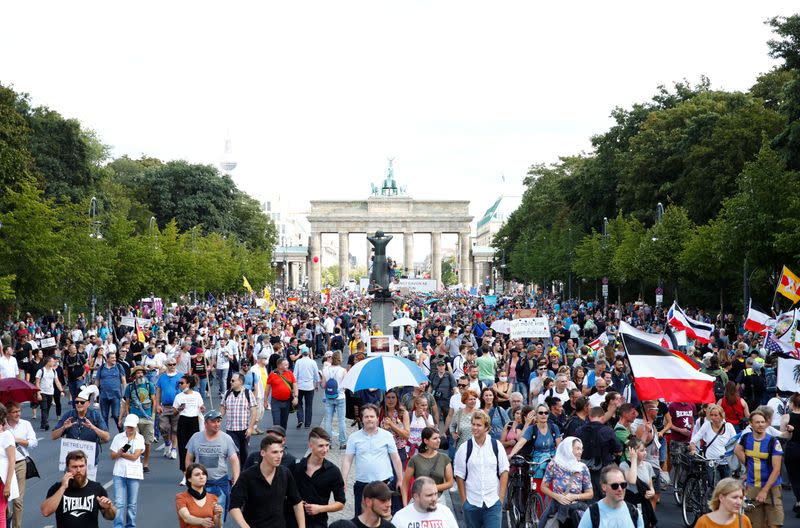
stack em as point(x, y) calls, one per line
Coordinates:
point(437, 395)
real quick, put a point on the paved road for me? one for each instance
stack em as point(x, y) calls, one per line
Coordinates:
point(156, 504)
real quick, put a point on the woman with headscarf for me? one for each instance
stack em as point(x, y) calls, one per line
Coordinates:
point(568, 483)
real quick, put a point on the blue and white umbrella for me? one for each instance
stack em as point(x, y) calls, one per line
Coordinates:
point(383, 372)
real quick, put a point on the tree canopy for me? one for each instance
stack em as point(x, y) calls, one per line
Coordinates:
point(207, 233)
point(723, 164)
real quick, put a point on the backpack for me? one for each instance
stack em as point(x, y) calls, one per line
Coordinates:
point(719, 388)
point(337, 343)
point(594, 514)
point(469, 454)
point(332, 389)
point(247, 393)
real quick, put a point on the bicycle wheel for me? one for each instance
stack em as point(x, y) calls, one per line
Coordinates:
point(514, 501)
point(676, 476)
point(534, 511)
point(692, 505)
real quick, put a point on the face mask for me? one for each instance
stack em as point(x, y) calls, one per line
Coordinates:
point(503, 379)
point(186, 390)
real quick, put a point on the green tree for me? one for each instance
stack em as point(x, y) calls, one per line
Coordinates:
point(690, 155)
point(330, 275)
point(787, 48)
point(449, 276)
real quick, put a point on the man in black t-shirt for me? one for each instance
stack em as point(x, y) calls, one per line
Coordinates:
point(376, 506)
point(76, 500)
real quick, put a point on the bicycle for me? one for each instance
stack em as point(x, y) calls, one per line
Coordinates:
point(524, 503)
point(678, 473)
point(699, 486)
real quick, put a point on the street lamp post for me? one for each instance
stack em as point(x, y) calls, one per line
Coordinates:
point(660, 288)
point(96, 235)
point(605, 248)
point(194, 263)
point(153, 233)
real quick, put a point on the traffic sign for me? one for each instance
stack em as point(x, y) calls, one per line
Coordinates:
point(659, 291)
point(659, 299)
point(605, 290)
point(605, 280)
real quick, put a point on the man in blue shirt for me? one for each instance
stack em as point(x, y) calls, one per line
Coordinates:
point(83, 423)
point(368, 448)
point(111, 382)
point(762, 455)
point(612, 511)
point(166, 390)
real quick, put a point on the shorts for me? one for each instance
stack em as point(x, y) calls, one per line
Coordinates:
point(768, 513)
point(656, 479)
point(147, 430)
point(168, 422)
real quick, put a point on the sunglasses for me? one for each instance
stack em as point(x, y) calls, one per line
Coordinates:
point(542, 413)
point(617, 485)
point(462, 386)
point(79, 402)
point(171, 364)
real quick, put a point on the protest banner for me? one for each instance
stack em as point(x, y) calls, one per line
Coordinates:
point(131, 321)
point(530, 327)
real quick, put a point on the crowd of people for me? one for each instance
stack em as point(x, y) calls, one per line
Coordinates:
point(202, 380)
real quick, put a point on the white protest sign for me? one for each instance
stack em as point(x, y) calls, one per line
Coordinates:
point(48, 342)
point(129, 321)
point(530, 327)
point(70, 444)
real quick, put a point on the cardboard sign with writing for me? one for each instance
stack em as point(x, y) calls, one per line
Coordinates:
point(70, 444)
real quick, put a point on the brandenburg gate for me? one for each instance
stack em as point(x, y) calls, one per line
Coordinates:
point(388, 209)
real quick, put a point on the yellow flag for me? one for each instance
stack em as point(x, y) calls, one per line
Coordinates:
point(272, 308)
point(247, 285)
point(266, 294)
point(789, 286)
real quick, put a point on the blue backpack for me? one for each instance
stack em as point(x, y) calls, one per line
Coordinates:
point(332, 389)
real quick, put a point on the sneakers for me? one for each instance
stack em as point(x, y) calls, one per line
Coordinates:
point(167, 450)
point(164, 446)
point(173, 454)
point(183, 482)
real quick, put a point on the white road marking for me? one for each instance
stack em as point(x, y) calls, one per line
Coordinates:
point(108, 484)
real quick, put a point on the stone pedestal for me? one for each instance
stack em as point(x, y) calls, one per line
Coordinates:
point(382, 311)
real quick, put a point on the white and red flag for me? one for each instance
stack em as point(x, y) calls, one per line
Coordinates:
point(697, 330)
point(660, 373)
point(600, 342)
point(758, 322)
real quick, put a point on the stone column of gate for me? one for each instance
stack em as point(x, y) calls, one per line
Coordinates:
point(315, 272)
point(466, 269)
point(344, 257)
point(436, 258)
point(408, 252)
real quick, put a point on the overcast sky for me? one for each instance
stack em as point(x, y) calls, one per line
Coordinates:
point(317, 95)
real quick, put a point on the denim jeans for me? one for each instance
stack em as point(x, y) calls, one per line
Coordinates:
point(110, 403)
point(482, 516)
point(126, 493)
point(222, 489)
point(305, 403)
point(280, 412)
point(331, 407)
point(203, 386)
point(222, 379)
point(74, 389)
